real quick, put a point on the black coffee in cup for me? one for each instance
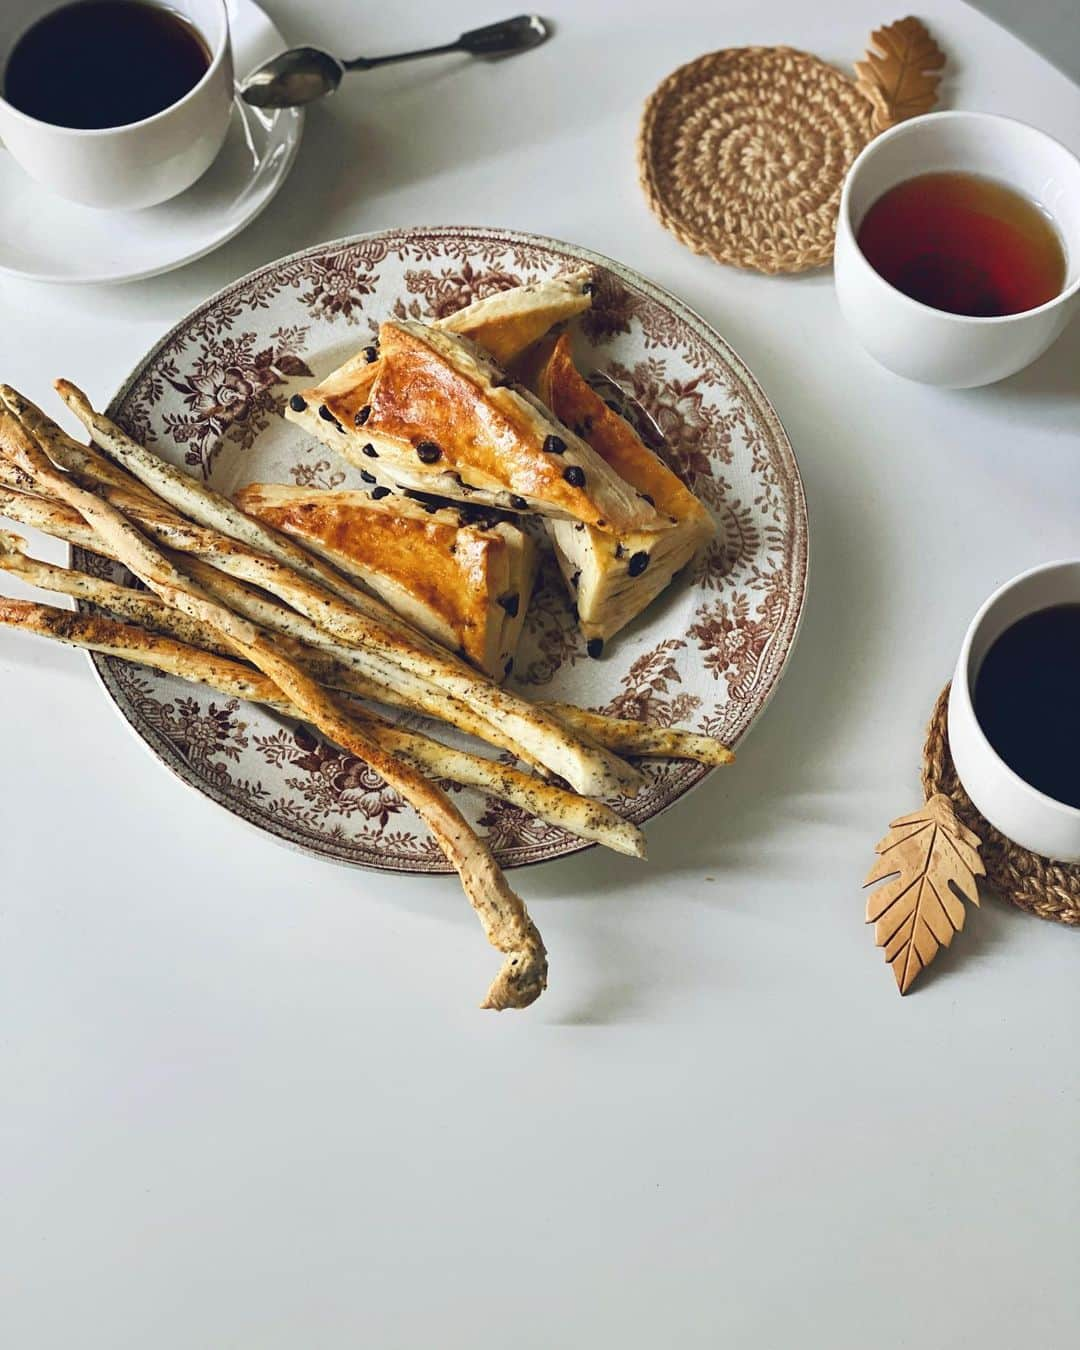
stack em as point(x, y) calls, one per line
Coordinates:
point(1026, 700)
point(104, 63)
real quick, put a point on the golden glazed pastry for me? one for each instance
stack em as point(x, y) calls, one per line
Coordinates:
point(614, 576)
point(508, 322)
point(464, 582)
point(443, 418)
point(503, 324)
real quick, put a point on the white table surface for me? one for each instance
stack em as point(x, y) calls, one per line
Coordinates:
point(247, 1097)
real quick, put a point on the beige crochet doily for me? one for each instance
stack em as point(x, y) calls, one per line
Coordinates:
point(742, 154)
point(1043, 887)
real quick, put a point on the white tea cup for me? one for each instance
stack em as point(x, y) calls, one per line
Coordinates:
point(1021, 812)
point(141, 163)
point(933, 345)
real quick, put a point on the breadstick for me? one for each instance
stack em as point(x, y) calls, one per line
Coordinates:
point(516, 724)
point(139, 606)
point(589, 820)
point(641, 738)
point(524, 972)
point(356, 670)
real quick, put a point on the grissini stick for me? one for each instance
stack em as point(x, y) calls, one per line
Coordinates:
point(334, 664)
point(590, 769)
point(628, 737)
point(523, 975)
point(167, 529)
point(125, 602)
point(587, 819)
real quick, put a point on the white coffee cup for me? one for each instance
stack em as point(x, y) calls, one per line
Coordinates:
point(1021, 812)
point(131, 166)
point(928, 344)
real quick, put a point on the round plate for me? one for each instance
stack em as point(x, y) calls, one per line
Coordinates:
point(706, 654)
point(45, 238)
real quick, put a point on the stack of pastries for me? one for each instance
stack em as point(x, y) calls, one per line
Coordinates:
point(461, 430)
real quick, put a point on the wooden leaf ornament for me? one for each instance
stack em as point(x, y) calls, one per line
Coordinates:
point(917, 911)
point(899, 74)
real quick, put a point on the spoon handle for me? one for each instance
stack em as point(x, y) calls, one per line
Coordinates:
point(496, 39)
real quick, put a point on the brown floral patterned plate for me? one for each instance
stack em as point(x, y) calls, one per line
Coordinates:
point(707, 654)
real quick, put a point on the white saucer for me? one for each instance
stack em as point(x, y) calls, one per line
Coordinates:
point(44, 238)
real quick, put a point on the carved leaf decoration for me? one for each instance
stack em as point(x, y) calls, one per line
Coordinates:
point(926, 854)
point(898, 75)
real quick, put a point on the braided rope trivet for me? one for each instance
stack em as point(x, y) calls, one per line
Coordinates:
point(742, 154)
point(1049, 889)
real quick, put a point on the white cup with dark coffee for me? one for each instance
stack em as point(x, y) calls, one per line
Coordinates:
point(119, 104)
point(1014, 712)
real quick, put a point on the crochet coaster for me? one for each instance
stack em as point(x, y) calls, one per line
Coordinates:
point(742, 153)
point(1043, 887)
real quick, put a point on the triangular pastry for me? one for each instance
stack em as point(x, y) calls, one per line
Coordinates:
point(504, 325)
point(443, 418)
point(463, 580)
point(614, 576)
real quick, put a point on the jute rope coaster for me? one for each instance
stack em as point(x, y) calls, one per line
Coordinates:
point(1049, 889)
point(743, 152)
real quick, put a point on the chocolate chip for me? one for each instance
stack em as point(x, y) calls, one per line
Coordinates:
point(595, 648)
point(620, 552)
point(589, 288)
point(362, 415)
point(554, 445)
point(370, 354)
point(479, 519)
point(575, 579)
point(638, 563)
point(380, 492)
point(518, 503)
point(368, 477)
point(297, 404)
point(575, 476)
point(613, 406)
point(327, 415)
point(427, 452)
point(645, 497)
point(370, 451)
point(578, 528)
point(508, 667)
point(510, 603)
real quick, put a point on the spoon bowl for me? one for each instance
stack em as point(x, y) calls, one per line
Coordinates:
point(300, 75)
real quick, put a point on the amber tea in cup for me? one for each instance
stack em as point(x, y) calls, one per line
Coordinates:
point(965, 244)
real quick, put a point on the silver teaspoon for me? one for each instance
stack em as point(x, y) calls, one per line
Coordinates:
point(304, 74)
